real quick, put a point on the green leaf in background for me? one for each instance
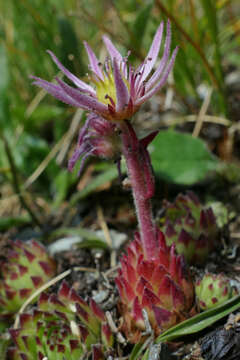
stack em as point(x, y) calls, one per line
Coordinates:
point(4, 81)
point(180, 158)
point(140, 24)
point(4, 78)
point(12, 221)
point(43, 114)
point(62, 183)
point(70, 46)
point(211, 15)
point(109, 174)
point(137, 351)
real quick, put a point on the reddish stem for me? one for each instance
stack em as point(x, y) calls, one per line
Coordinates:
point(141, 177)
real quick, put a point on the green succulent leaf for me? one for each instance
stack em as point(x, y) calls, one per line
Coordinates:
point(26, 268)
point(190, 226)
point(62, 327)
point(4, 344)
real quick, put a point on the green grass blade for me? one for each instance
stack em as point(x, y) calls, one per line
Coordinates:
point(200, 321)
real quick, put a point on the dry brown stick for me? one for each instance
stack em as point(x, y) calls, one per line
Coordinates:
point(202, 113)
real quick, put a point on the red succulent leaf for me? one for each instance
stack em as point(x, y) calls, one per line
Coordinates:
point(162, 286)
point(97, 352)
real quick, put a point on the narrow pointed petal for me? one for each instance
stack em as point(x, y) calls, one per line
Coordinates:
point(55, 91)
point(162, 81)
point(152, 54)
point(113, 52)
point(155, 77)
point(84, 101)
point(75, 157)
point(121, 88)
point(94, 63)
point(79, 83)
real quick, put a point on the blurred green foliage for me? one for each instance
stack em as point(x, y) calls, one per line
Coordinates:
point(33, 123)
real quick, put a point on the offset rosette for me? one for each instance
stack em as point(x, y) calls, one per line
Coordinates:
point(190, 226)
point(161, 285)
point(213, 290)
point(62, 327)
point(27, 267)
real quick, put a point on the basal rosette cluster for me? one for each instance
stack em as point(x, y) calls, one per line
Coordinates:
point(27, 267)
point(213, 290)
point(190, 226)
point(161, 285)
point(62, 327)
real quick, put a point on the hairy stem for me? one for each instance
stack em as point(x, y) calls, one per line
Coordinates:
point(141, 177)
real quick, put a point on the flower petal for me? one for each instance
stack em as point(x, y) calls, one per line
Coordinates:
point(122, 92)
point(161, 82)
point(113, 52)
point(155, 77)
point(55, 91)
point(79, 83)
point(86, 102)
point(93, 61)
point(151, 57)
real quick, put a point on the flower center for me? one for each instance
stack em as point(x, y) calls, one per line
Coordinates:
point(105, 89)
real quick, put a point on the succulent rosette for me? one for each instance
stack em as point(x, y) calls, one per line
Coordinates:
point(213, 290)
point(27, 267)
point(62, 327)
point(161, 285)
point(190, 226)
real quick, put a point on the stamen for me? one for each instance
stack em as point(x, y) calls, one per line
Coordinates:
point(111, 109)
point(111, 100)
